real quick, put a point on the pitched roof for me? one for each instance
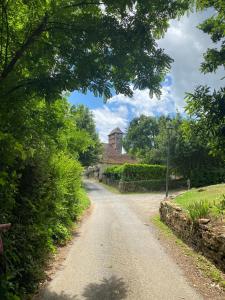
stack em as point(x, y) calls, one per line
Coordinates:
point(116, 130)
point(110, 156)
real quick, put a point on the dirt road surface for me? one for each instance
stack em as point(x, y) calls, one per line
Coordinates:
point(117, 255)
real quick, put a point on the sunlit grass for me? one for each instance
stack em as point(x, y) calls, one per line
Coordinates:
point(201, 202)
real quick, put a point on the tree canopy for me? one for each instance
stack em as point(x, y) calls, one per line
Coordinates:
point(85, 122)
point(189, 154)
point(207, 107)
point(141, 134)
point(48, 47)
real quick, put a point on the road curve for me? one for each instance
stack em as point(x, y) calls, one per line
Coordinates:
point(117, 256)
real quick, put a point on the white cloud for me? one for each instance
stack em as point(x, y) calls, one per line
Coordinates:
point(141, 103)
point(186, 45)
point(106, 120)
point(120, 109)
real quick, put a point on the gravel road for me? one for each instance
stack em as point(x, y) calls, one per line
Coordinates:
point(117, 255)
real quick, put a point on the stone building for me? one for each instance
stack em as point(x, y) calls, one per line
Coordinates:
point(115, 140)
point(112, 152)
point(112, 155)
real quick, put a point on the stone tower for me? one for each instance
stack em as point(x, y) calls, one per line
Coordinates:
point(115, 140)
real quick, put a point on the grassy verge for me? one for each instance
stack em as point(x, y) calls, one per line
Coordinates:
point(203, 202)
point(202, 263)
point(84, 202)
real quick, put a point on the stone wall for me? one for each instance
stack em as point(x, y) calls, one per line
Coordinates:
point(110, 181)
point(204, 235)
point(142, 186)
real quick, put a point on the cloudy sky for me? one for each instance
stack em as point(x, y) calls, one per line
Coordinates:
point(185, 44)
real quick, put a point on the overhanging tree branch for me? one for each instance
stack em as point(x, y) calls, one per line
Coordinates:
point(37, 32)
point(2, 15)
point(7, 34)
point(82, 4)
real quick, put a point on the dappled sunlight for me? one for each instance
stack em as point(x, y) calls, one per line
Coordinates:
point(113, 288)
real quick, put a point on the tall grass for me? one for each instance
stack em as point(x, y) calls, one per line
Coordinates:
point(199, 209)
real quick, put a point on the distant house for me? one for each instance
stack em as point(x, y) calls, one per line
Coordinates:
point(112, 152)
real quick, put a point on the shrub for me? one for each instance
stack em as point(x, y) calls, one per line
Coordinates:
point(199, 209)
point(40, 190)
point(48, 201)
point(207, 176)
point(136, 172)
point(114, 172)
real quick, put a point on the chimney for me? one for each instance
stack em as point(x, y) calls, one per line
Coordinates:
point(115, 140)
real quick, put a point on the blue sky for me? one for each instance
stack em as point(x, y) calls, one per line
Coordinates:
point(185, 44)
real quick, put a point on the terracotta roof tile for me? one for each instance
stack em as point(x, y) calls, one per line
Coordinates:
point(110, 156)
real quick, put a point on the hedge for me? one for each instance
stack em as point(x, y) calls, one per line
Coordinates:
point(144, 185)
point(207, 176)
point(135, 172)
point(114, 172)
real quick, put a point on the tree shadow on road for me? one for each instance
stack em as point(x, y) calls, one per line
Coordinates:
point(112, 288)
point(55, 296)
point(109, 289)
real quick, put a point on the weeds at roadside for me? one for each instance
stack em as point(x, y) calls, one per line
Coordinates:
point(198, 210)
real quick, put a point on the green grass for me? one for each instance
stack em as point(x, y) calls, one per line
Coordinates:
point(208, 269)
point(83, 202)
point(203, 202)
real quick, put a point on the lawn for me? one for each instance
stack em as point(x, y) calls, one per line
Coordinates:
point(203, 202)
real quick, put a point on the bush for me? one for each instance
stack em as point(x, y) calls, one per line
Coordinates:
point(40, 190)
point(207, 176)
point(48, 201)
point(114, 172)
point(136, 172)
point(199, 209)
point(143, 172)
point(139, 178)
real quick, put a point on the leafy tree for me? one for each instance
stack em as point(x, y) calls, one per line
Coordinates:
point(189, 154)
point(40, 188)
point(208, 110)
point(84, 121)
point(140, 136)
point(205, 106)
point(51, 46)
point(215, 27)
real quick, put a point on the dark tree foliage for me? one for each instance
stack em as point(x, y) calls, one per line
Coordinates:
point(207, 107)
point(52, 46)
point(85, 121)
point(189, 154)
point(40, 189)
point(140, 136)
point(208, 110)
